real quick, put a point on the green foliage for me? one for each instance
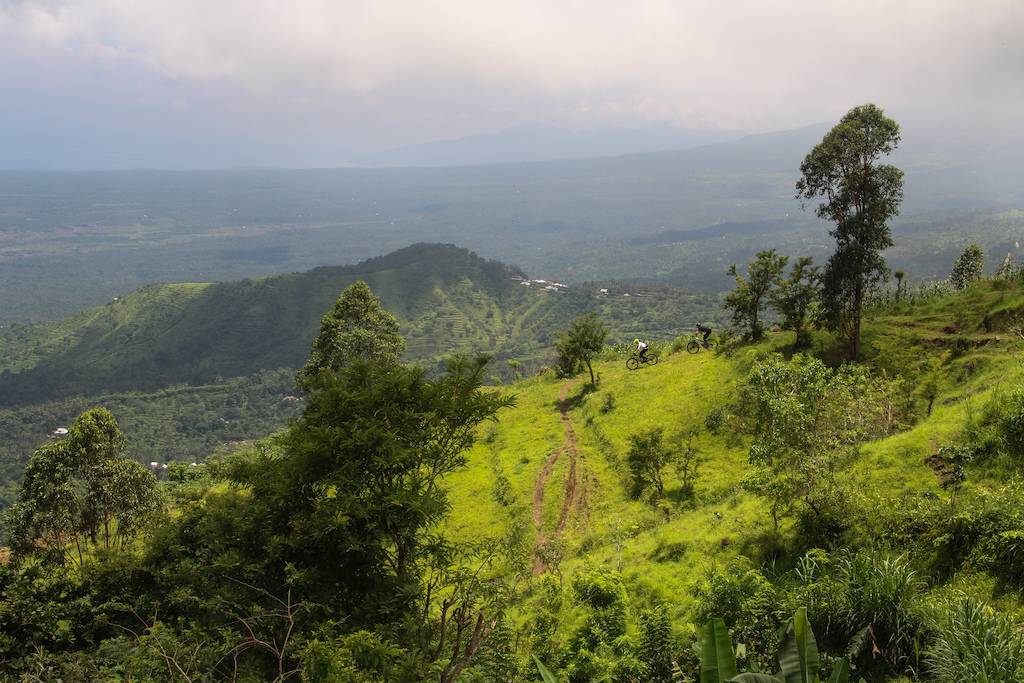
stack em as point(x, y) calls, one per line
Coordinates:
point(795, 299)
point(884, 592)
point(241, 574)
point(744, 598)
point(446, 300)
point(580, 344)
point(356, 328)
point(717, 661)
point(350, 504)
point(806, 421)
point(999, 430)
point(848, 591)
point(986, 533)
point(648, 456)
point(798, 657)
point(359, 657)
point(974, 643)
point(45, 609)
point(752, 294)
point(79, 493)
point(859, 197)
point(968, 268)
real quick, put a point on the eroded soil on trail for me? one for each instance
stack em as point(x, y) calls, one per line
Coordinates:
point(573, 491)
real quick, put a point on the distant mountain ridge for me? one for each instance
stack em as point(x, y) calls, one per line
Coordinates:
point(540, 142)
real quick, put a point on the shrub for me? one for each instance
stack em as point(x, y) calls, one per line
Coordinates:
point(745, 600)
point(967, 269)
point(884, 593)
point(974, 643)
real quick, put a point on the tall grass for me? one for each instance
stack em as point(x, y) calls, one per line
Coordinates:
point(975, 644)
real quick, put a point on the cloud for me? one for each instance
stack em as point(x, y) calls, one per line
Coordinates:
point(447, 67)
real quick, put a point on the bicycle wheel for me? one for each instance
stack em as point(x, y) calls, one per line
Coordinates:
point(712, 344)
point(693, 346)
point(632, 363)
point(652, 359)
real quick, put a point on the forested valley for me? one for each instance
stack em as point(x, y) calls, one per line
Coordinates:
point(476, 479)
point(604, 529)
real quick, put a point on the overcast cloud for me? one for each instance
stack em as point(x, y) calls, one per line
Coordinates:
point(215, 83)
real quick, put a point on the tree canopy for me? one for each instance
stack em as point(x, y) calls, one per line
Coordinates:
point(751, 294)
point(796, 298)
point(80, 492)
point(359, 485)
point(580, 344)
point(355, 328)
point(968, 268)
point(859, 196)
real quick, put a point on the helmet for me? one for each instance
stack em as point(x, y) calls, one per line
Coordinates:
point(636, 341)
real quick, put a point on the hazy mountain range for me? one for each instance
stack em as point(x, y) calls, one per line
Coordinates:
point(540, 142)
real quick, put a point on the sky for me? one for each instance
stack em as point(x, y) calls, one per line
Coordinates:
point(200, 84)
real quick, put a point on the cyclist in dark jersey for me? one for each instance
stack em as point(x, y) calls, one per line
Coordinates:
point(705, 330)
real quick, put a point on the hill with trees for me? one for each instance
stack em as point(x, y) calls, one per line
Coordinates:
point(194, 367)
point(837, 497)
point(445, 298)
point(596, 528)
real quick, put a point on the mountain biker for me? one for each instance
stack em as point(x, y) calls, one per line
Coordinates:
point(705, 330)
point(641, 349)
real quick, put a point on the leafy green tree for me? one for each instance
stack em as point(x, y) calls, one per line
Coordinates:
point(751, 295)
point(355, 328)
point(805, 419)
point(345, 513)
point(579, 345)
point(648, 455)
point(967, 269)
point(795, 299)
point(79, 492)
point(860, 197)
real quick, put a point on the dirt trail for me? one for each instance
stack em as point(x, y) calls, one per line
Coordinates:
point(573, 490)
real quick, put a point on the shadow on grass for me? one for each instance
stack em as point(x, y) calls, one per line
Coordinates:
point(575, 394)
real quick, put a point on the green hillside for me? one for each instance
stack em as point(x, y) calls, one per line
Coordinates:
point(188, 368)
point(557, 467)
point(599, 528)
point(444, 297)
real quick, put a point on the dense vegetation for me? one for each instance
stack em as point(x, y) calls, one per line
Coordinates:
point(183, 382)
point(598, 529)
point(532, 504)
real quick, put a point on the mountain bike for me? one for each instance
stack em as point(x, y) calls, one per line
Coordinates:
point(697, 342)
point(633, 362)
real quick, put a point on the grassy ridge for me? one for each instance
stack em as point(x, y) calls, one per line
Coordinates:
point(664, 549)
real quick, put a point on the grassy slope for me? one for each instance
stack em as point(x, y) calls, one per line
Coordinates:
point(445, 298)
point(663, 550)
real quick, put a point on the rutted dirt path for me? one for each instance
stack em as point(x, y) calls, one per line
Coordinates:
point(573, 490)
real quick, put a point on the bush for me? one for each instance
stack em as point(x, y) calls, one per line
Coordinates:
point(974, 643)
point(987, 534)
point(745, 600)
point(883, 593)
